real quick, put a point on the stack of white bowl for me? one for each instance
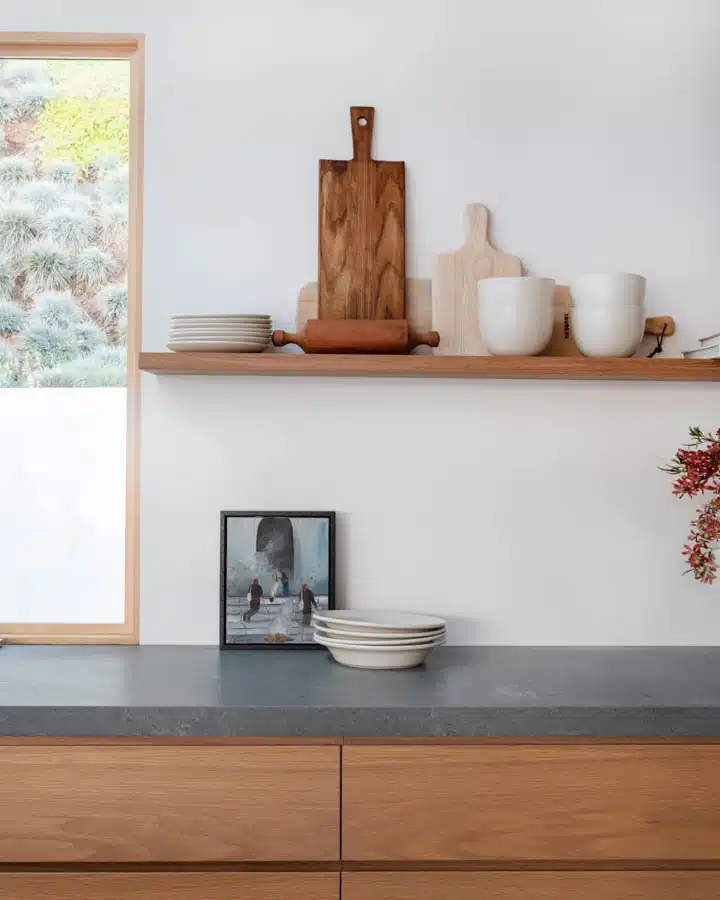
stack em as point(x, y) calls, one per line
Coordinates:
point(378, 639)
point(608, 313)
point(220, 333)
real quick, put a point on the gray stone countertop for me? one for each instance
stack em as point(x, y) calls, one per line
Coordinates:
point(468, 691)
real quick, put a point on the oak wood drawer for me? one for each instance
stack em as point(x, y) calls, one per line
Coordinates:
point(530, 886)
point(154, 803)
point(166, 885)
point(531, 802)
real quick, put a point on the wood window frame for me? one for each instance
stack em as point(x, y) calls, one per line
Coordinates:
point(28, 45)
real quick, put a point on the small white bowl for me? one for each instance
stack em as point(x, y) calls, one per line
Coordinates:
point(515, 314)
point(608, 331)
point(608, 289)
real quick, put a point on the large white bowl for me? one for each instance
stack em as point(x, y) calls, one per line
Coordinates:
point(395, 658)
point(608, 331)
point(515, 314)
point(380, 640)
point(379, 620)
point(608, 289)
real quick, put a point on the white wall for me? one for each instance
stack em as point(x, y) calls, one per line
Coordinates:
point(592, 131)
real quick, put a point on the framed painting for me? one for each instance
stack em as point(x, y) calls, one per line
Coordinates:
point(277, 570)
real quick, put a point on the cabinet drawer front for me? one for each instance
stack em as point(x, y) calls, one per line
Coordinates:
point(165, 885)
point(581, 802)
point(531, 886)
point(168, 803)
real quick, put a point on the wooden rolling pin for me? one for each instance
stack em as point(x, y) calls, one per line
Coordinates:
point(356, 336)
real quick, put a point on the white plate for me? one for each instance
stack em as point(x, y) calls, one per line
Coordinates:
point(381, 620)
point(223, 317)
point(378, 648)
point(228, 329)
point(434, 641)
point(218, 335)
point(390, 659)
point(387, 637)
point(215, 347)
point(196, 339)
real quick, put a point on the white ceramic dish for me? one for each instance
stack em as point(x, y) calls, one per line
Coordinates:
point(224, 317)
point(382, 637)
point(380, 620)
point(215, 347)
point(374, 640)
point(227, 335)
point(604, 331)
point(222, 326)
point(515, 314)
point(400, 658)
point(608, 289)
point(378, 648)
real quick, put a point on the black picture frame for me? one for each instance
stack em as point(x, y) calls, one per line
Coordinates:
point(225, 517)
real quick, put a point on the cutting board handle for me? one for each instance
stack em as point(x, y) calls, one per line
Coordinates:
point(476, 226)
point(361, 121)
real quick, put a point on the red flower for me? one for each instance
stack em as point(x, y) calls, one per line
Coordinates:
point(698, 469)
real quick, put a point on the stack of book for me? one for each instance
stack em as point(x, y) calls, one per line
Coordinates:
point(709, 348)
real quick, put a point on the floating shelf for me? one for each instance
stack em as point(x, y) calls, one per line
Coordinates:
point(421, 366)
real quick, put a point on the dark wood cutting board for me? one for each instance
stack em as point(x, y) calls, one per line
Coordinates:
point(361, 264)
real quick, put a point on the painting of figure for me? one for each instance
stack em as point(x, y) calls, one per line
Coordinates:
point(277, 571)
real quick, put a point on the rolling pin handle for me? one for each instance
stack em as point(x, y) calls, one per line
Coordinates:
point(283, 338)
point(426, 338)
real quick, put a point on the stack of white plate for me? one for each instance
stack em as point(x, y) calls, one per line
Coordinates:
point(378, 639)
point(220, 334)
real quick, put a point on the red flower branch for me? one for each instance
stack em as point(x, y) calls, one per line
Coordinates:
point(697, 468)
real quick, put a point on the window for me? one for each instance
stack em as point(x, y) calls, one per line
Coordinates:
point(71, 117)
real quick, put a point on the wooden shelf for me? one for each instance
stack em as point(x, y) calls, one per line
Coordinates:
point(419, 366)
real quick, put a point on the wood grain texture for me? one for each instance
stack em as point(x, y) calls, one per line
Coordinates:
point(454, 285)
point(169, 886)
point(416, 366)
point(530, 886)
point(531, 803)
point(168, 804)
point(361, 241)
point(418, 306)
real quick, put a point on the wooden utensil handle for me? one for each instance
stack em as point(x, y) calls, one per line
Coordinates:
point(656, 324)
point(362, 119)
point(423, 338)
point(283, 338)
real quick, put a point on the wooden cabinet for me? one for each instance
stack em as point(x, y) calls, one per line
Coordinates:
point(231, 820)
point(169, 886)
point(530, 886)
point(168, 803)
point(580, 801)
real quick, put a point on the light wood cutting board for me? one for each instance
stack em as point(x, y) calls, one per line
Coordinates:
point(361, 240)
point(418, 306)
point(562, 342)
point(454, 286)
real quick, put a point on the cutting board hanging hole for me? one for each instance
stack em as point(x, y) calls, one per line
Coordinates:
point(566, 325)
point(361, 120)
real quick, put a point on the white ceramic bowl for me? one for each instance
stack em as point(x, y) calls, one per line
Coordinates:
point(515, 314)
point(608, 331)
point(380, 640)
point(379, 620)
point(358, 657)
point(610, 289)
